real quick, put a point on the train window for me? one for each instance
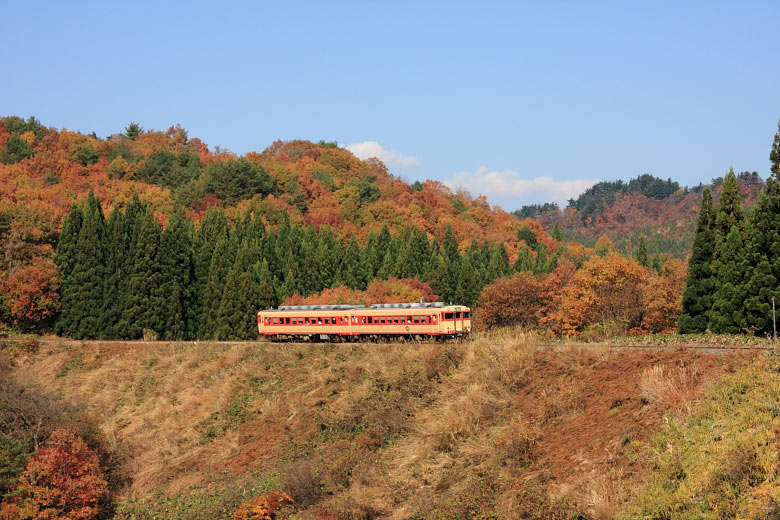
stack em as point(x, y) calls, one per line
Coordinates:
point(416, 320)
point(448, 315)
point(458, 315)
point(423, 319)
point(319, 321)
point(276, 321)
point(403, 320)
point(370, 320)
point(363, 320)
point(467, 315)
point(381, 320)
point(395, 320)
point(433, 318)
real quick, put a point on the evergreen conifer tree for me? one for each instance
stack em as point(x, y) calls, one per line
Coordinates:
point(327, 257)
point(469, 284)
point(727, 314)
point(177, 277)
point(699, 284)
point(763, 250)
point(729, 212)
point(267, 296)
point(309, 276)
point(213, 225)
point(452, 256)
point(236, 317)
point(143, 302)
point(369, 259)
point(524, 261)
point(390, 261)
point(774, 155)
point(439, 280)
point(117, 242)
point(498, 264)
point(65, 260)
point(351, 271)
point(221, 262)
point(556, 233)
point(83, 309)
point(640, 254)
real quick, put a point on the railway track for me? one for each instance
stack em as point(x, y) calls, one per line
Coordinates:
point(706, 347)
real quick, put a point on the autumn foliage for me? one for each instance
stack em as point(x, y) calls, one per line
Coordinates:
point(607, 290)
point(33, 291)
point(62, 480)
point(264, 507)
point(391, 290)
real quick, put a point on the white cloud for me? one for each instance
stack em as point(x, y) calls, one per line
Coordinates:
point(393, 159)
point(508, 184)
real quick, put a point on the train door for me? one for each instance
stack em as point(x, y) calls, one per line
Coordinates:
point(458, 322)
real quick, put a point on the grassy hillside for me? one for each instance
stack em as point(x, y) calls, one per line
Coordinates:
point(491, 428)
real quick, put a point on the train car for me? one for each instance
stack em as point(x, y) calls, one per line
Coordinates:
point(382, 321)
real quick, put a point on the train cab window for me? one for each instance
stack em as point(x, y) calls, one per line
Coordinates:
point(448, 315)
point(416, 320)
point(467, 315)
point(458, 315)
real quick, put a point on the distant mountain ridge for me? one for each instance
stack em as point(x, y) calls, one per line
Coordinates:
point(659, 210)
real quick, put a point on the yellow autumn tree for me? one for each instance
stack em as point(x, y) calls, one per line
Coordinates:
point(606, 289)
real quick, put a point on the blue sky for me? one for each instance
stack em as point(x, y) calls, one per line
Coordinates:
point(522, 102)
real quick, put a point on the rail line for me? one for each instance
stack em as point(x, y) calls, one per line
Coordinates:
point(540, 346)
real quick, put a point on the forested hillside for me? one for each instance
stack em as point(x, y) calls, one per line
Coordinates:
point(153, 192)
point(151, 234)
point(659, 211)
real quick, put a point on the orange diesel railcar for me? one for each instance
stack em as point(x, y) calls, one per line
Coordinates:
point(380, 321)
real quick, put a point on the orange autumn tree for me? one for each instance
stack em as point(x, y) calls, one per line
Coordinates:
point(63, 480)
point(606, 289)
point(31, 292)
point(517, 300)
point(663, 298)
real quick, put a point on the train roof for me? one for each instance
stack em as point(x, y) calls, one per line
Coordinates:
point(375, 306)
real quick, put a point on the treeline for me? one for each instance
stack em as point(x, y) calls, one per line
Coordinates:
point(127, 277)
point(534, 210)
point(734, 268)
point(604, 193)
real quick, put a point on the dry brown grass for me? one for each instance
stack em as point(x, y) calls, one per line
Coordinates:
point(674, 386)
point(481, 427)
